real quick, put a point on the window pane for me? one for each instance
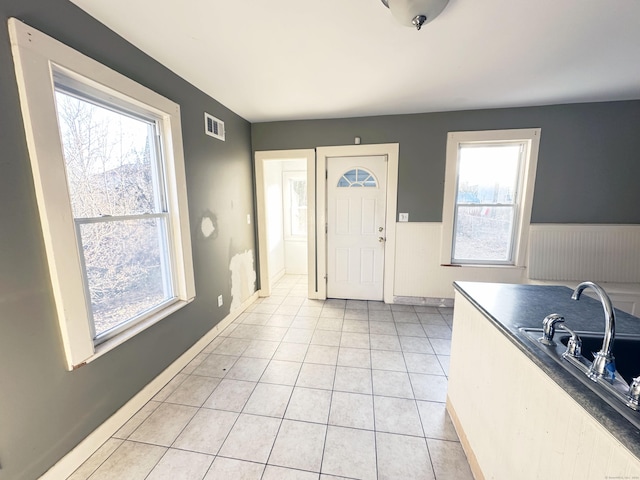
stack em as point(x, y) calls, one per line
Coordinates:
point(370, 182)
point(351, 176)
point(126, 265)
point(488, 173)
point(363, 175)
point(298, 191)
point(483, 234)
point(357, 178)
point(109, 158)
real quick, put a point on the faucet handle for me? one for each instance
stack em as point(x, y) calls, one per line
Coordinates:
point(549, 328)
point(574, 345)
point(633, 397)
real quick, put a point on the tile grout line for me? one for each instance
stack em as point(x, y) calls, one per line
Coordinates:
point(326, 431)
point(252, 337)
point(285, 409)
point(373, 397)
point(290, 396)
point(237, 418)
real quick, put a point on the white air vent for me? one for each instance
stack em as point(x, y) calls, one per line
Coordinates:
point(213, 126)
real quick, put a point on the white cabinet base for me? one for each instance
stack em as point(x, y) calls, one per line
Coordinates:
point(513, 420)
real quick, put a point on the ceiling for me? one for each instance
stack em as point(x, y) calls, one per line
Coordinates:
point(270, 60)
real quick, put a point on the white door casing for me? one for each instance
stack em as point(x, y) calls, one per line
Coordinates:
point(316, 191)
point(261, 216)
point(356, 201)
point(391, 151)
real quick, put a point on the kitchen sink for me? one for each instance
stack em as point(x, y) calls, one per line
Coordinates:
point(626, 350)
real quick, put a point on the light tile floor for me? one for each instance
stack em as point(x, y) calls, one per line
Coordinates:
point(301, 389)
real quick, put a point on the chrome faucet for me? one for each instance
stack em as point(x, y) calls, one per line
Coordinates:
point(549, 328)
point(603, 365)
point(633, 396)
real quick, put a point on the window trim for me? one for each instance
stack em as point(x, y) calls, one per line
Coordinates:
point(287, 205)
point(36, 58)
point(531, 138)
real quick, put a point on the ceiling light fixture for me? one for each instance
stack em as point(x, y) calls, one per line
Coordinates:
point(415, 13)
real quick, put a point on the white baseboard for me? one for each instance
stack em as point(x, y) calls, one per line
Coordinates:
point(278, 276)
point(423, 301)
point(76, 457)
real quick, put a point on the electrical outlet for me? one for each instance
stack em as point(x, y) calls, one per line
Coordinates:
point(403, 217)
point(219, 300)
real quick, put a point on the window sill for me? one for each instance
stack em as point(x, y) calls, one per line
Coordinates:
point(482, 265)
point(114, 342)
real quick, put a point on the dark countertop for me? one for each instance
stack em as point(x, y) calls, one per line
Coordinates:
point(510, 307)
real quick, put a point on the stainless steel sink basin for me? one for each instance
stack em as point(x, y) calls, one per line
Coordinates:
point(626, 350)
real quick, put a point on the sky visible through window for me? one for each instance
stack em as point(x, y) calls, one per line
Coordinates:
point(485, 210)
point(112, 178)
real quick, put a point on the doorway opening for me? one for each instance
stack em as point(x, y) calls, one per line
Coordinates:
point(285, 213)
point(270, 222)
point(353, 261)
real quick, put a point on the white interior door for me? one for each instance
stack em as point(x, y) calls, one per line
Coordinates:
point(356, 215)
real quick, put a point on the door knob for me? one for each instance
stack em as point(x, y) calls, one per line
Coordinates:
point(382, 239)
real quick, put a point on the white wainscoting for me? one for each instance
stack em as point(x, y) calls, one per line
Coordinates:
point(606, 254)
point(418, 270)
point(417, 256)
point(601, 253)
point(559, 254)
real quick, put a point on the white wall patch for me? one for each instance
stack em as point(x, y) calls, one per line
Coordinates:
point(243, 278)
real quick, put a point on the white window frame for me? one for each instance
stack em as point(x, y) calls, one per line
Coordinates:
point(531, 139)
point(36, 57)
point(287, 204)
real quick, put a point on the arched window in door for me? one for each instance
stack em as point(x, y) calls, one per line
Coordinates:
point(358, 177)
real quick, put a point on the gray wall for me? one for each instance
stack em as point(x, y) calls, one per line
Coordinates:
point(44, 410)
point(588, 171)
point(588, 166)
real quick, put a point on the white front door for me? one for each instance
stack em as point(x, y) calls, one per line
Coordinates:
point(356, 205)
